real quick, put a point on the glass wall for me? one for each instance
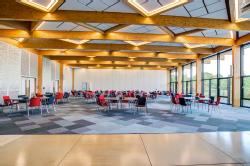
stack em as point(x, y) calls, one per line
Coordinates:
point(189, 78)
point(225, 77)
point(245, 75)
point(217, 76)
point(173, 80)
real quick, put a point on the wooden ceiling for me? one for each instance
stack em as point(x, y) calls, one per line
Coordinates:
point(119, 39)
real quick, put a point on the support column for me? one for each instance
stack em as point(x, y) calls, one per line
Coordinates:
point(236, 84)
point(40, 74)
point(198, 74)
point(61, 78)
point(168, 80)
point(179, 78)
point(73, 78)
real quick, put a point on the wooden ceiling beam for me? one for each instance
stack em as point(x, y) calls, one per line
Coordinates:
point(86, 62)
point(58, 44)
point(22, 25)
point(242, 40)
point(116, 54)
point(10, 10)
point(190, 32)
point(116, 36)
point(113, 66)
point(112, 58)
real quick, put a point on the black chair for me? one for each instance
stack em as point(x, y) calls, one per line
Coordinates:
point(24, 98)
point(66, 96)
point(141, 103)
point(184, 104)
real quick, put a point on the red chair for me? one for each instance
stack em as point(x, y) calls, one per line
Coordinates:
point(215, 104)
point(35, 102)
point(59, 97)
point(102, 102)
point(8, 102)
point(175, 102)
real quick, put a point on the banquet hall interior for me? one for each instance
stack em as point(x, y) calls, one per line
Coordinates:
point(124, 82)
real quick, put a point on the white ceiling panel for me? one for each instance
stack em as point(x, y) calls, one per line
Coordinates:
point(180, 11)
point(178, 30)
point(243, 33)
point(96, 5)
point(213, 33)
point(61, 26)
point(102, 26)
point(199, 8)
point(142, 29)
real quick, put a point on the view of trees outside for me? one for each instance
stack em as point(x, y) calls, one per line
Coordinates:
point(246, 75)
point(173, 80)
point(217, 76)
point(189, 78)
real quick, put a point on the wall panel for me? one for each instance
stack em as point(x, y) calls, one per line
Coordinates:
point(116, 79)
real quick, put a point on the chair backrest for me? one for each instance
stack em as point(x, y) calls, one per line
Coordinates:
point(141, 101)
point(218, 100)
point(6, 100)
point(35, 102)
point(211, 99)
point(51, 100)
point(66, 95)
point(182, 101)
point(102, 100)
point(173, 100)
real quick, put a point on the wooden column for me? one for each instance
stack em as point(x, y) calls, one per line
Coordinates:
point(179, 78)
point(168, 80)
point(198, 74)
point(236, 85)
point(61, 78)
point(73, 78)
point(40, 74)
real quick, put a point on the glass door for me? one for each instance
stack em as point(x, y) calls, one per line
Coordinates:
point(225, 90)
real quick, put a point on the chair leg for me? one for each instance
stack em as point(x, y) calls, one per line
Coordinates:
point(28, 111)
point(54, 107)
point(47, 108)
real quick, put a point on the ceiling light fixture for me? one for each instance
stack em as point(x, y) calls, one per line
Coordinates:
point(194, 45)
point(139, 7)
point(47, 6)
point(75, 41)
point(137, 43)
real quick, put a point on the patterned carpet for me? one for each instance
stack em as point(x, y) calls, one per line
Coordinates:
point(81, 117)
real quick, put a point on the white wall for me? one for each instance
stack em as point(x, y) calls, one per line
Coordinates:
point(67, 78)
point(51, 74)
point(116, 79)
point(15, 63)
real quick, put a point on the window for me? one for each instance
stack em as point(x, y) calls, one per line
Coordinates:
point(245, 75)
point(189, 78)
point(217, 76)
point(173, 80)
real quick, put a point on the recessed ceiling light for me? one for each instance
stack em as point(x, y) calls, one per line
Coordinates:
point(150, 12)
point(137, 43)
point(44, 5)
point(75, 41)
point(194, 45)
